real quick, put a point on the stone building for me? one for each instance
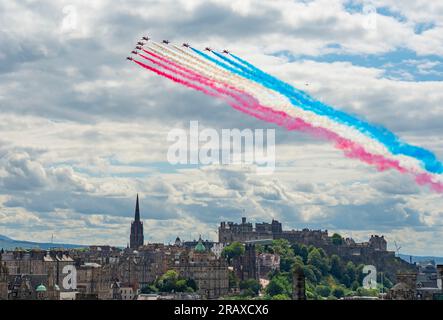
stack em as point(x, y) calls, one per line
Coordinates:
point(209, 272)
point(245, 266)
point(32, 287)
point(3, 282)
point(267, 262)
point(94, 281)
point(405, 288)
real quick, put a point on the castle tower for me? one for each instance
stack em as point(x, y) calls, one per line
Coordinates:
point(298, 285)
point(136, 239)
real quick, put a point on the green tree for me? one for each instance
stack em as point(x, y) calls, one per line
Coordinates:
point(283, 248)
point(190, 283)
point(279, 285)
point(323, 291)
point(316, 259)
point(362, 292)
point(149, 289)
point(337, 239)
point(337, 268)
point(180, 286)
point(338, 292)
point(233, 280)
point(167, 282)
point(351, 271)
point(301, 250)
point(310, 274)
point(281, 297)
point(250, 285)
point(232, 251)
point(171, 282)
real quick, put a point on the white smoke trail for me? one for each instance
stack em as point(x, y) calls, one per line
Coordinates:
point(278, 102)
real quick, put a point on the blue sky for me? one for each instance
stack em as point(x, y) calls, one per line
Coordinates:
point(82, 131)
point(402, 63)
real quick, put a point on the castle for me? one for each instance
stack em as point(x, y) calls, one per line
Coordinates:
point(245, 232)
point(373, 251)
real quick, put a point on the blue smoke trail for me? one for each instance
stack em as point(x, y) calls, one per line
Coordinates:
point(301, 99)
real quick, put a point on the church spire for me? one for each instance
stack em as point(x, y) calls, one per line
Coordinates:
point(136, 239)
point(137, 210)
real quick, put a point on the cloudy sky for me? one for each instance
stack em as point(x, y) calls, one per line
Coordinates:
point(82, 131)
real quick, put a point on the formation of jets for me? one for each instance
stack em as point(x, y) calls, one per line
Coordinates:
point(140, 45)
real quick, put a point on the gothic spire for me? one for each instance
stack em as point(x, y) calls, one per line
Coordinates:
point(137, 210)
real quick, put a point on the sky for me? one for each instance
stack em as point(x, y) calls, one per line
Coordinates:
point(82, 131)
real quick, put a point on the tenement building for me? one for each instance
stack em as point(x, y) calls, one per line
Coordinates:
point(209, 272)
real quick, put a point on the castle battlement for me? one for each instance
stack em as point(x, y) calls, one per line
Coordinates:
point(229, 232)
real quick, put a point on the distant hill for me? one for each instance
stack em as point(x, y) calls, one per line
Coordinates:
point(438, 260)
point(7, 243)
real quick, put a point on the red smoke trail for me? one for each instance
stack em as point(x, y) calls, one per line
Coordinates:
point(350, 148)
point(424, 178)
point(181, 81)
point(192, 75)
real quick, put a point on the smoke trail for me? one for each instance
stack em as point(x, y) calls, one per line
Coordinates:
point(256, 89)
point(192, 75)
point(350, 148)
point(394, 144)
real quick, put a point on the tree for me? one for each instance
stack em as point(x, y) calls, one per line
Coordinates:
point(321, 263)
point(323, 291)
point(337, 268)
point(149, 289)
point(283, 248)
point(337, 239)
point(167, 282)
point(351, 271)
point(310, 274)
point(171, 282)
point(232, 251)
point(190, 283)
point(250, 285)
point(180, 286)
point(233, 280)
point(362, 292)
point(301, 250)
point(279, 285)
point(338, 292)
point(281, 297)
